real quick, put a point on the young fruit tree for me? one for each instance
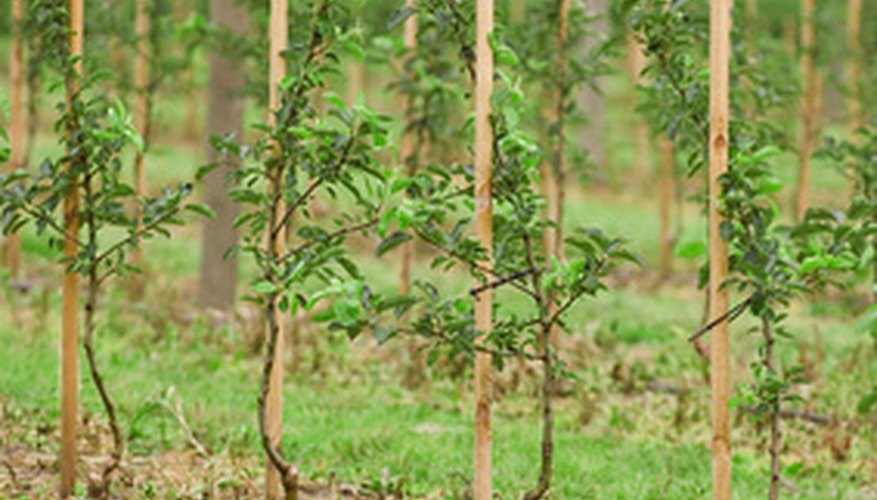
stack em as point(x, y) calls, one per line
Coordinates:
point(300, 155)
point(751, 253)
point(506, 251)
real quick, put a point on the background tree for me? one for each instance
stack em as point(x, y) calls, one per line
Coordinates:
point(225, 115)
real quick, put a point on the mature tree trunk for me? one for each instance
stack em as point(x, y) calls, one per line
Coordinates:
point(484, 233)
point(809, 106)
point(70, 286)
point(720, 54)
point(225, 115)
point(18, 127)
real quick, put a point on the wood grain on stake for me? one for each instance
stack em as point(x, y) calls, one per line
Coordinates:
point(141, 117)
point(484, 232)
point(854, 69)
point(277, 71)
point(70, 286)
point(406, 153)
point(720, 379)
point(808, 107)
point(18, 125)
point(554, 174)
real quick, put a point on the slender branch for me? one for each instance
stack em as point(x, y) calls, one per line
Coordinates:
point(472, 264)
point(35, 213)
point(439, 333)
point(329, 237)
point(703, 127)
point(731, 315)
point(277, 227)
point(290, 210)
point(502, 281)
point(137, 234)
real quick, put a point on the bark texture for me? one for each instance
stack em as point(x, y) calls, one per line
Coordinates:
point(225, 115)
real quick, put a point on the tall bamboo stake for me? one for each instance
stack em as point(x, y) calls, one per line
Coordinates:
point(808, 107)
point(554, 174)
point(854, 63)
point(636, 64)
point(277, 71)
point(720, 376)
point(141, 121)
point(665, 200)
point(18, 126)
point(484, 232)
point(406, 151)
point(70, 285)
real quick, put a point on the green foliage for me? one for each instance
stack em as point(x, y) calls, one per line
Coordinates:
point(97, 131)
point(303, 155)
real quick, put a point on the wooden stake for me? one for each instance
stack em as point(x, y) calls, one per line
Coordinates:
point(484, 233)
point(406, 151)
point(141, 123)
point(808, 107)
point(720, 376)
point(18, 126)
point(555, 177)
point(642, 157)
point(665, 181)
point(70, 285)
point(277, 71)
point(854, 64)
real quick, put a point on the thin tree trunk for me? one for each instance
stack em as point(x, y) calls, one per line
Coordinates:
point(91, 298)
point(720, 53)
point(18, 127)
point(775, 413)
point(808, 107)
point(548, 387)
point(225, 115)
point(854, 64)
point(667, 173)
point(70, 286)
point(484, 233)
point(277, 472)
point(142, 122)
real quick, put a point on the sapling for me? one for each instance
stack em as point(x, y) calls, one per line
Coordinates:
point(98, 131)
point(300, 155)
point(438, 209)
point(766, 266)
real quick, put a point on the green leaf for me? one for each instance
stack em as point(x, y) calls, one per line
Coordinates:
point(391, 242)
point(202, 210)
point(691, 250)
point(346, 311)
point(264, 287)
